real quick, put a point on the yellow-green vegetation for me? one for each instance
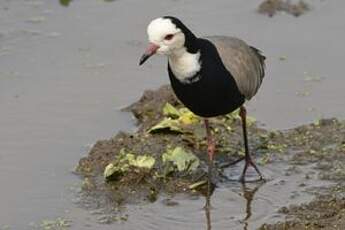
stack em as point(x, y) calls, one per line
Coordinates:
point(171, 111)
point(167, 124)
point(181, 159)
point(175, 120)
point(125, 161)
point(197, 184)
point(57, 224)
point(169, 150)
point(179, 122)
point(173, 160)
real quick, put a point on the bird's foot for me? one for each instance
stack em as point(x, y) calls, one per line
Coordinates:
point(248, 162)
point(228, 164)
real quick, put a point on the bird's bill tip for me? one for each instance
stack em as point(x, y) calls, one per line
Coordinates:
point(150, 50)
point(143, 58)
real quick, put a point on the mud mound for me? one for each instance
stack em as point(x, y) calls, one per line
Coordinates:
point(164, 127)
point(271, 7)
point(326, 211)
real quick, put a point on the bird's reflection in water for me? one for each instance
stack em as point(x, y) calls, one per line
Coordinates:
point(207, 207)
point(248, 192)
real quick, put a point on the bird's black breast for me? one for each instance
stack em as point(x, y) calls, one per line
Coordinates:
point(215, 93)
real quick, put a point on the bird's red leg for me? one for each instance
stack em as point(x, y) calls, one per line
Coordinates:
point(210, 152)
point(247, 158)
point(210, 142)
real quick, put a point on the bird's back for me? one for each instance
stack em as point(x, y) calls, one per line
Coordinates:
point(245, 63)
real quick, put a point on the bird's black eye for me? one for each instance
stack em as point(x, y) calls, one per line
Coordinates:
point(168, 37)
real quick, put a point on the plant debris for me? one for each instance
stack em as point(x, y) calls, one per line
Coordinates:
point(271, 7)
point(56, 224)
point(125, 161)
point(176, 120)
point(182, 159)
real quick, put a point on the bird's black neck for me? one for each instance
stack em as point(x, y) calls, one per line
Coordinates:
point(191, 43)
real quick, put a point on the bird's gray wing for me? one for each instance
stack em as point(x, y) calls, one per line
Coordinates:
point(245, 63)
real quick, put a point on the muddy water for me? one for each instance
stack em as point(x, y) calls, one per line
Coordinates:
point(65, 72)
point(233, 206)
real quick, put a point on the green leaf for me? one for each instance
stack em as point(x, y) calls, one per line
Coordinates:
point(197, 184)
point(125, 161)
point(182, 159)
point(65, 2)
point(187, 117)
point(113, 170)
point(170, 111)
point(231, 117)
point(128, 158)
point(167, 124)
point(176, 120)
point(143, 162)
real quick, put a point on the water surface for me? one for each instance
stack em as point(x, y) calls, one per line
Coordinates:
point(66, 71)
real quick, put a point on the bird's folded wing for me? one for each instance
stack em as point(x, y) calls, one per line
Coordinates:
point(245, 63)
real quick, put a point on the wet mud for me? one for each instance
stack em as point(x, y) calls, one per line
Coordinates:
point(272, 7)
point(309, 154)
point(326, 211)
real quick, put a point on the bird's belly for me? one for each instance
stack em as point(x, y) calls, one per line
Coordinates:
point(208, 100)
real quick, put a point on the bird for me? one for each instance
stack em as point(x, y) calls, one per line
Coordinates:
point(211, 76)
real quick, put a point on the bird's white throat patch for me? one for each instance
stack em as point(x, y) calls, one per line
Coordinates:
point(185, 65)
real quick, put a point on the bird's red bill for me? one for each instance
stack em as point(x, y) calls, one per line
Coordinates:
point(150, 50)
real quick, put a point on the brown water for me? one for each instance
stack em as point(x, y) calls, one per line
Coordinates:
point(233, 206)
point(65, 72)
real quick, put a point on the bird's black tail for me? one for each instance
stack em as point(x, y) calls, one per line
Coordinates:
point(261, 57)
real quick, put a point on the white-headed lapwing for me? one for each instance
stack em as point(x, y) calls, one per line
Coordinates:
point(211, 76)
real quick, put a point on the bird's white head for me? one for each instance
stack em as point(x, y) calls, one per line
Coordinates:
point(165, 37)
point(169, 36)
point(163, 33)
